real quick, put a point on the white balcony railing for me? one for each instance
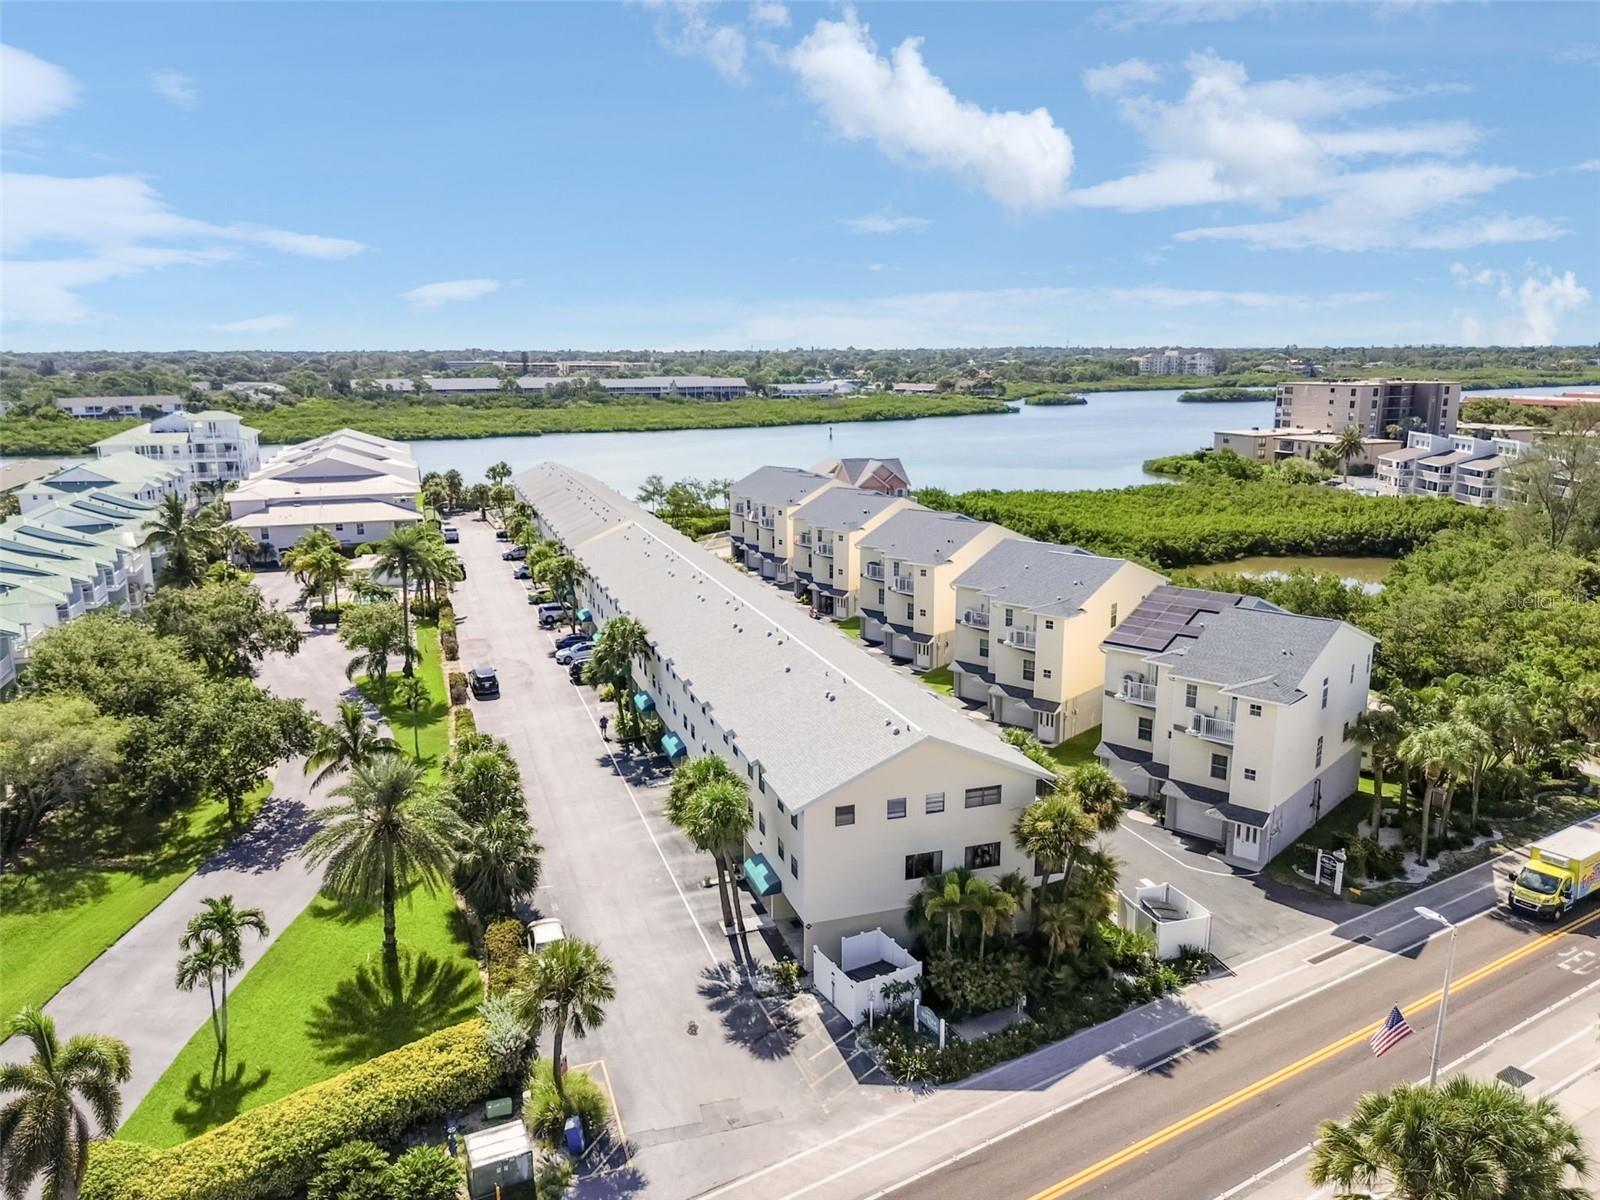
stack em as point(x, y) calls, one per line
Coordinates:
point(804, 540)
point(823, 547)
point(1135, 691)
point(904, 583)
point(1022, 639)
point(873, 570)
point(1213, 729)
point(978, 618)
point(768, 523)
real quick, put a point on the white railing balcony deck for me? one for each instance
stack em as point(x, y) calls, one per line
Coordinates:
point(1022, 639)
point(978, 618)
point(804, 540)
point(823, 547)
point(1213, 729)
point(873, 570)
point(1135, 691)
point(768, 523)
point(904, 583)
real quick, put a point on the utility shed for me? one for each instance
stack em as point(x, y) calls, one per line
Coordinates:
point(498, 1156)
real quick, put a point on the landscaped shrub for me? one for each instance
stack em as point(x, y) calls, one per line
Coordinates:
point(353, 1171)
point(424, 1173)
point(466, 723)
point(459, 689)
point(277, 1148)
point(449, 646)
point(959, 985)
point(321, 615)
point(506, 1037)
point(545, 1115)
point(503, 951)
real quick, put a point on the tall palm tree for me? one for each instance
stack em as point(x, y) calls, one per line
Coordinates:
point(44, 1134)
point(1053, 830)
point(214, 946)
point(992, 907)
point(455, 488)
point(1492, 722)
point(1463, 1140)
point(351, 741)
point(392, 835)
point(564, 573)
point(620, 644)
point(497, 864)
point(683, 808)
point(498, 473)
point(1346, 446)
point(1379, 730)
point(236, 544)
point(1098, 794)
point(413, 696)
point(188, 540)
point(566, 986)
point(721, 823)
point(1437, 750)
point(399, 556)
point(948, 905)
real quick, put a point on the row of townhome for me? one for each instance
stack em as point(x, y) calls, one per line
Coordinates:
point(357, 486)
point(1469, 466)
point(1236, 713)
point(861, 782)
point(214, 447)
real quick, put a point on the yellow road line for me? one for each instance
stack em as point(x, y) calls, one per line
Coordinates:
point(1266, 1083)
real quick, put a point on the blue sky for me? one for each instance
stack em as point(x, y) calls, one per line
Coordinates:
point(679, 175)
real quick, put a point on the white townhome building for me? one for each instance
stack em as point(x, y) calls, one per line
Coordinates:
point(762, 508)
point(215, 447)
point(108, 408)
point(1469, 466)
point(358, 487)
point(127, 476)
point(861, 782)
point(828, 529)
point(1237, 713)
point(909, 564)
point(1030, 617)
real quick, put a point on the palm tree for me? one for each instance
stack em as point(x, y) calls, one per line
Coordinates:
point(563, 573)
point(351, 741)
point(1379, 730)
point(621, 642)
point(497, 864)
point(455, 488)
point(652, 491)
point(1346, 446)
point(392, 835)
point(1437, 751)
point(412, 695)
point(188, 540)
point(1015, 884)
point(1491, 724)
point(685, 805)
point(1057, 924)
point(43, 1132)
point(236, 543)
point(1466, 1139)
point(214, 942)
point(1052, 830)
point(399, 556)
point(722, 822)
point(565, 986)
point(436, 492)
point(991, 906)
point(949, 905)
point(498, 473)
point(1098, 794)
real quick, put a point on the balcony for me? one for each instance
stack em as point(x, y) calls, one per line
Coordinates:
point(978, 618)
point(1022, 639)
point(904, 583)
point(1212, 729)
point(768, 523)
point(1136, 691)
point(873, 570)
point(803, 540)
point(823, 547)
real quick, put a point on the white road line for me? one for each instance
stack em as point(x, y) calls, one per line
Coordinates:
point(1186, 866)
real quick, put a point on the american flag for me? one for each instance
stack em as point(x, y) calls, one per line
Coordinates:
point(1390, 1033)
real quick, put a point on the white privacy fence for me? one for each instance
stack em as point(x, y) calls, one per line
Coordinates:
point(1173, 919)
point(868, 963)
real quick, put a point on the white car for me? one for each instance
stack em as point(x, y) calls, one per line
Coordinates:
point(545, 932)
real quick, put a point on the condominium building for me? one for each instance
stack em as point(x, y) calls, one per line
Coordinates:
point(107, 408)
point(1374, 406)
point(761, 509)
point(826, 560)
point(126, 476)
point(821, 387)
point(1030, 617)
point(1469, 466)
point(909, 565)
point(861, 783)
point(1177, 362)
point(1275, 445)
point(1236, 713)
point(886, 475)
point(214, 447)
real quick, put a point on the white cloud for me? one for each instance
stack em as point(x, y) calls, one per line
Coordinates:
point(1117, 77)
point(1124, 17)
point(262, 324)
point(770, 13)
point(89, 230)
point(886, 223)
point(683, 27)
point(175, 88)
point(1590, 164)
point(1537, 305)
point(32, 89)
point(1021, 159)
point(432, 295)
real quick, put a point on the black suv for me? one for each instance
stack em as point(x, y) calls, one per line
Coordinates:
point(485, 685)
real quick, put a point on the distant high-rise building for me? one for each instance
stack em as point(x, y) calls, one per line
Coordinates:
point(1374, 406)
point(1176, 362)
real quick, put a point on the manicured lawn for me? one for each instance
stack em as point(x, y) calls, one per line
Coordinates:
point(851, 626)
point(1076, 751)
point(58, 917)
point(940, 680)
point(432, 736)
point(318, 1002)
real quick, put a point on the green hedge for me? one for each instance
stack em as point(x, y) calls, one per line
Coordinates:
point(503, 952)
point(277, 1148)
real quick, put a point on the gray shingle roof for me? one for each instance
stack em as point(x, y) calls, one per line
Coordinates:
point(801, 700)
point(1257, 653)
point(781, 486)
point(845, 508)
point(923, 536)
point(1043, 576)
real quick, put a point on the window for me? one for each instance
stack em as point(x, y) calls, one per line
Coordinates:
point(1255, 710)
point(920, 866)
point(1219, 766)
point(922, 612)
point(844, 814)
point(982, 797)
point(794, 866)
point(1250, 774)
point(1010, 612)
point(1248, 835)
point(1352, 672)
point(780, 849)
point(1191, 695)
point(1319, 752)
point(1113, 616)
point(1049, 624)
point(897, 808)
point(911, 612)
point(1047, 672)
point(983, 647)
point(339, 527)
point(934, 803)
point(761, 822)
point(1146, 729)
point(360, 528)
point(923, 571)
point(1027, 670)
point(794, 820)
point(880, 595)
point(1324, 693)
point(984, 854)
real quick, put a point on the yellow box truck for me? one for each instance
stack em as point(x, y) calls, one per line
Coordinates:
point(1562, 869)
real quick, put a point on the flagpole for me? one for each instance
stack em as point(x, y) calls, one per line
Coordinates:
point(1444, 994)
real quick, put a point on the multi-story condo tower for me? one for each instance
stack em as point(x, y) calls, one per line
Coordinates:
point(1374, 406)
point(215, 447)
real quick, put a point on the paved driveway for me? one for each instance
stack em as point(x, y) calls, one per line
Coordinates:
point(702, 1074)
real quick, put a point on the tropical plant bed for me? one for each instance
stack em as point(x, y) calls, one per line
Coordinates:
point(58, 918)
point(429, 725)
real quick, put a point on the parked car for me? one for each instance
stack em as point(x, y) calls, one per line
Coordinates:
point(501, 535)
point(545, 932)
point(567, 640)
point(484, 683)
point(514, 553)
point(451, 534)
point(570, 653)
point(575, 671)
point(522, 572)
point(551, 615)
point(539, 596)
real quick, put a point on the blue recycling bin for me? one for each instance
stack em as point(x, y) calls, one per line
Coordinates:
point(573, 1130)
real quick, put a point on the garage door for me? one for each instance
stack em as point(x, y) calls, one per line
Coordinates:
point(971, 687)
point(1189, 816)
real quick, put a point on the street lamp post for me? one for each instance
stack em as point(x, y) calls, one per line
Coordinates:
point(1439, 918)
